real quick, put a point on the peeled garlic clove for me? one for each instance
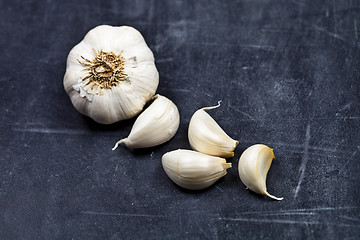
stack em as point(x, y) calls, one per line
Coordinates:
point(111, 74)
point(193, 170)
point(206, 136)
point(156, 125)
point(254, 165)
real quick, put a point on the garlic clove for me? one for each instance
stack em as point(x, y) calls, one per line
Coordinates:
point(193, 170)
point(111, 74)
point(254, 165)
point(206, 136)
point(156, 125)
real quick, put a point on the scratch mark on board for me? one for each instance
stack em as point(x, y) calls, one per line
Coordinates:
point(207, 94)
point(286, 221)
point(152, 155)
point(304, 160)
point(345, 107)
point(123, 214)
point(178, 89)
point(49, 131)
point(306, 210)
point(288, 144)
point(263, 220)
point(289, 213)
point(242, 112)
point(324, 208)
point(255, 46)
point(219, 188)
point(345, 118)
point(340, 156)
point(202, 230)
point(355, 29)
point(314, 148)
point(331, 34)
point(335, 16)
point(347, 162)
point(350, 218)
point(116, 169)
point(151, 11)
point(325, 149)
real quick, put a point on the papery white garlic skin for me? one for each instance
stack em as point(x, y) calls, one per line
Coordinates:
point(254, 164)
point(124, 99)
point(156, 125)
point(193, 170)
point(206, 136)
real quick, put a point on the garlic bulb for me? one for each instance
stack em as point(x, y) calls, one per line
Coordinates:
point(254, 165)
point(193, 170)
point(156, 125)
point(111, 74)
point(206, 136)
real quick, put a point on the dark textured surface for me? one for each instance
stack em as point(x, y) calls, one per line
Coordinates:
point(287, 73)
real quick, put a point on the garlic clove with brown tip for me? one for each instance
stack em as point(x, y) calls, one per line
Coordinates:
point(111, 74)
point(254, 164)
point(206, 136)
point(193, 170)
point(156, 125)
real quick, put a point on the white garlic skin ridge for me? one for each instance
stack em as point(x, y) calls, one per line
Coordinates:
point(156, 125)
point(193, 170)
point(253, 167)
point(206, 136)
point(128, 98)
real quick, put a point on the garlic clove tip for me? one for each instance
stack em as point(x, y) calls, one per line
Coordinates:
point(212, 107)
point(118, 143)
point(226, 165)
point(272, 196)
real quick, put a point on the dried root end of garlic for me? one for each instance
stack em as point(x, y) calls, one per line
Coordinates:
point(193, 170)
point(254, 165)
point(206, 136)
point(111, 74)
point(156, 125)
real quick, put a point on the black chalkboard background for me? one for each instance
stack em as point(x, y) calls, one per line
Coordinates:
point(287, 73)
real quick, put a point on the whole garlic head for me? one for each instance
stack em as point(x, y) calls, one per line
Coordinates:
point(206, 136)
point(111, 74)
point(156, 125)
point(254, 165)
point(193, 170)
